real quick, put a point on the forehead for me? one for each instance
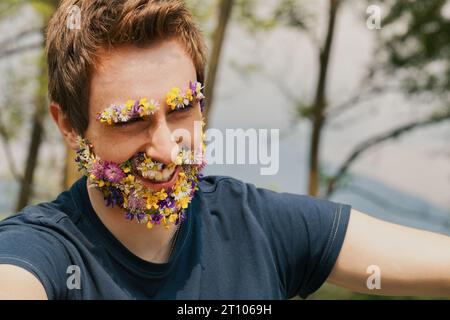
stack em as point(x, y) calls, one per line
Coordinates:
point(129, 72)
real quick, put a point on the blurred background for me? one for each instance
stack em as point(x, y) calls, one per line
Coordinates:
point(359, 90)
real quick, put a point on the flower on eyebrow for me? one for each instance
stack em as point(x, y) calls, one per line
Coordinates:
point(178, 99)
point(174, 99)
point(130, 110)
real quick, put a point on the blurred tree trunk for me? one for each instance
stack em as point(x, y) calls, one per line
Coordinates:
point(225, 10)
point(36, 137)
point(320, 101)
point(45, 9)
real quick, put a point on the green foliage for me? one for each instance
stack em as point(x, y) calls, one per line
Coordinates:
point(257, 16)
point(8, 7)
point(331, 292)
point(15, 104)
point(44, 8)
point(245, 69)
point(304, 110)
point(203, 13)
point(414, 44)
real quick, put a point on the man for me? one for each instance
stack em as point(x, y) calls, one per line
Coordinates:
point(126, 93)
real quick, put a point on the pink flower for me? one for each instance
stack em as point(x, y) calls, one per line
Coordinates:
point(135, 204)
point(98, 169)
point(113, 173)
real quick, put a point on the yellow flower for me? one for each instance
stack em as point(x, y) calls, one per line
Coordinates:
point(152, 202)
point(149, 225)
point(183, 202)
point(161, 195)
point(129, 179)
point(173, 217)
point(189, 94)
point(173, 98)
point(198, 87)
point(129, 104)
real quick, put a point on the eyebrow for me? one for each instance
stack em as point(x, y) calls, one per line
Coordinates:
point(140, 108)
point(117, 113)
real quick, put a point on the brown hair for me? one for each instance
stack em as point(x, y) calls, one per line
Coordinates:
point(72, 53)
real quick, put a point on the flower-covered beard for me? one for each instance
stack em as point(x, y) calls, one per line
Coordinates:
point(123, 185)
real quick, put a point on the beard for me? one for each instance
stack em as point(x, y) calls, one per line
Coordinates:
point(126, 185)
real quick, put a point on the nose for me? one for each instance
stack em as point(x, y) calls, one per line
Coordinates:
point(163, 146)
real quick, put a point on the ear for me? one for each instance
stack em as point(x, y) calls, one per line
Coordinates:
point(63, 123)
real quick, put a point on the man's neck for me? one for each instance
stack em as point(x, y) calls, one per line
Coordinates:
point(150, 245)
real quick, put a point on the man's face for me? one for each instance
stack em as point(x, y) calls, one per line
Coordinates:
point(130, 73)
point(141, 146)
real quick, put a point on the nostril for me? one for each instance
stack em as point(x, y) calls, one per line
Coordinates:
point(177, 139)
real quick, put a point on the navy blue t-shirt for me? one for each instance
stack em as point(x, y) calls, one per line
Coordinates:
point(238, 242)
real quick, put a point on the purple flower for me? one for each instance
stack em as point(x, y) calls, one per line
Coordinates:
point(135, 108)
point(182, 215)
point(168, 202)
point(140, 216)
point(114, 197)
point(129, 216)
point(202, 105)
point(98, 170)
point(156, 218)
point(113, 173)
point(193, 87)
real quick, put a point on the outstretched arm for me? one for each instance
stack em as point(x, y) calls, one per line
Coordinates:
point(410, 262)
point(19, 284)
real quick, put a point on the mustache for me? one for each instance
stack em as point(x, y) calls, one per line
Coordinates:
point(114, 172)
point(184, 156)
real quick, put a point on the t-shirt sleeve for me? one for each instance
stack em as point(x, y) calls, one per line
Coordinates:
point(306, 235)
point(36, 251)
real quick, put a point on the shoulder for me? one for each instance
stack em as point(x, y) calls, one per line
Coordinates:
point(35, 250)
point(225, 194)
point(211, 184)
point(34, 230)
point(61, 210)
point(232, 190)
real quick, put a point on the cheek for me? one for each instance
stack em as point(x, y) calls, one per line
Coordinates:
point(109, 148)
point(116, 154)
point(190, 128)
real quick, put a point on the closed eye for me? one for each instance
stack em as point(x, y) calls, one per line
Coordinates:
point(189, 106)
point(131, 121)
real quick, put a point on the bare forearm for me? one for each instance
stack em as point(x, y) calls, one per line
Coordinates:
point(410, 262)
